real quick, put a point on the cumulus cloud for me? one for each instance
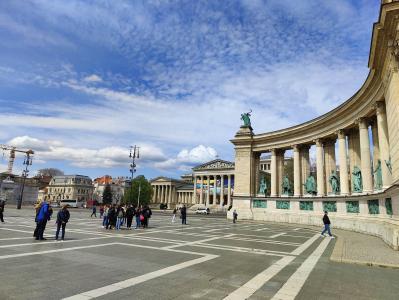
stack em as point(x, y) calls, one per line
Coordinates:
point(92, 78)
point(188, 158)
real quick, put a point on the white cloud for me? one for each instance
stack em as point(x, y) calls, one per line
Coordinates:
point(92, 78)
point(186, 158)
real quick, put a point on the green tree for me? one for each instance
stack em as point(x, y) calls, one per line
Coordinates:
point(107, 195)
point(132, 193)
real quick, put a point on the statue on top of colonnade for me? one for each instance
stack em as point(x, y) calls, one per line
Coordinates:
point(245, 117)
point(378, 176)
point(286, 186)
point(310, 185)
point(334, 181)
point(357, 180)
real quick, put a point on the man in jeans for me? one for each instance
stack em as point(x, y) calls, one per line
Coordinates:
point(326, 221)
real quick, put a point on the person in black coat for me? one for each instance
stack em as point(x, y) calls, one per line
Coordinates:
point(183, 212)
point(62, 218)
point(129, 216)
point(2, 203)
point(326, 221)
point(112, 217)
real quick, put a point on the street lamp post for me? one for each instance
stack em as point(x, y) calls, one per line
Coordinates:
point(134, 153)
point(27, 163)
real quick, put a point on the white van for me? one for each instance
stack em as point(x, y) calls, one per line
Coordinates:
point(71, 203)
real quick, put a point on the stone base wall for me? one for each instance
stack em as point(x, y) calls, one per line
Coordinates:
point(384, 224)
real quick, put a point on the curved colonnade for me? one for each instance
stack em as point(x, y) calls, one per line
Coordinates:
point(357, 150)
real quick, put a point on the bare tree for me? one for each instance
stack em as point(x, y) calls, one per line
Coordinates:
point(50, 172)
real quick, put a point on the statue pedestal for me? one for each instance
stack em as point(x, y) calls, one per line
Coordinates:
point(245, 131)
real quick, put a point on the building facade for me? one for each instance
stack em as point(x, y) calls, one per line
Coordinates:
point(360, 137)
point(77, 187)
point(118, 186)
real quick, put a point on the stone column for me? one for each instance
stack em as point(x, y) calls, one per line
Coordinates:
point(329, 163)
point(280, 171)
point(228, 190)
point(354, 152)
point(209, 189)
point(162, 193)
point(320, 168)
point(365, 156)
point(376, 144)
point(343, 163)
point(221, 191)
point(202, 190)
point(305, 166)
point(195, 190)
point(154, 188)
point(273, 177)
point(170, 194)
point(384, 144)
point(214, 189)
point(297, 172)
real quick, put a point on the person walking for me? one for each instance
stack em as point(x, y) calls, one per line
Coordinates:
point(94, 212)
point(327, 223)
point(174, 215)
point(2, 203)
point(129, 217)
point(62, 218)
point(43, 216)
point(235, 216)
point(183, 212)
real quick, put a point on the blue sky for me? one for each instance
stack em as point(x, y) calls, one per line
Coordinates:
point(81, 81)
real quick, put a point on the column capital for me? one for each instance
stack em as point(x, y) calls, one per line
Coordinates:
point(341, 133)
point(295, 147)
point(363, 122)
point(318, 142)
point(380, 107)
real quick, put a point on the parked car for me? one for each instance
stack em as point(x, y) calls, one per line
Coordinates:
point(202, 211)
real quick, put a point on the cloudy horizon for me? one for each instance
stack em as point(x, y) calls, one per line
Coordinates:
point(81, 81)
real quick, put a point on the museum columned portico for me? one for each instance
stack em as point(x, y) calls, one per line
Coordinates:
point(356, 147)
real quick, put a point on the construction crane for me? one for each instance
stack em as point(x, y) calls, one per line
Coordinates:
point(12, 150)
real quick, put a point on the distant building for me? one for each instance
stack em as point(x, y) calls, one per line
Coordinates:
point(77, 187)
point(118, 186)
point(11, 186)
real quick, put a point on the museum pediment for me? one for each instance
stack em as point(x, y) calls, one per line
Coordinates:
point(215, 165)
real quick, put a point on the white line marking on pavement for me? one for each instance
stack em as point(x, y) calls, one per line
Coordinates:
point(196, 242)
point(249, 288)
point(305, 245)
point(139, 279)
point(277, 235)
point(53, 251)
point(242, 249)
point(261, 229)
point(294, 284)
point(51, 242)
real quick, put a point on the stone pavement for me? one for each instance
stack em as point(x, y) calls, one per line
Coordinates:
point(210, 258)
point(358, 248)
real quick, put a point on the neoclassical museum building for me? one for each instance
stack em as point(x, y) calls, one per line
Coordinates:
point(357, 154)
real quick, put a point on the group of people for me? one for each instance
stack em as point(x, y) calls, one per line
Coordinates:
point(44, 213)
point(183, 215)
point(115, 216)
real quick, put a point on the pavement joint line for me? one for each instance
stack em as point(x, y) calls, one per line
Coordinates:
point(49, 242)
point(264, 241)
point(139, 279)
point(195, 242)
point(277, 235)
point(294, 284)
point(52, 251)
point(249, 288)
point(305, 245)
point(243, 249)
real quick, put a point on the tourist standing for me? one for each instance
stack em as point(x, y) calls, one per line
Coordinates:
point(93, 212)
point(101, 211)
point(183, 212)
point(129, 216)
point(111, 217)
point(105, 216)
point(174, 215)
point(62, 218)
point(43, 216)
point(2, 203)
point(119, 219)
point(235, 216)
point(327, 223)
point(138, 216)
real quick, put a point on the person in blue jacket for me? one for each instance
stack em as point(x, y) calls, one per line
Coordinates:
point(42, 217)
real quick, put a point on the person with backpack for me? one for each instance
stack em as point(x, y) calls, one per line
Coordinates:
point(235, 216)
point(62, 218)
point(43, 215)
point(327, 223)
point(111, 218)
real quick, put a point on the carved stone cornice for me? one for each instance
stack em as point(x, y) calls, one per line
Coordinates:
point(215, 165)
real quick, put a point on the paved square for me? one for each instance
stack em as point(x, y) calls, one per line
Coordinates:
point(210, 258)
